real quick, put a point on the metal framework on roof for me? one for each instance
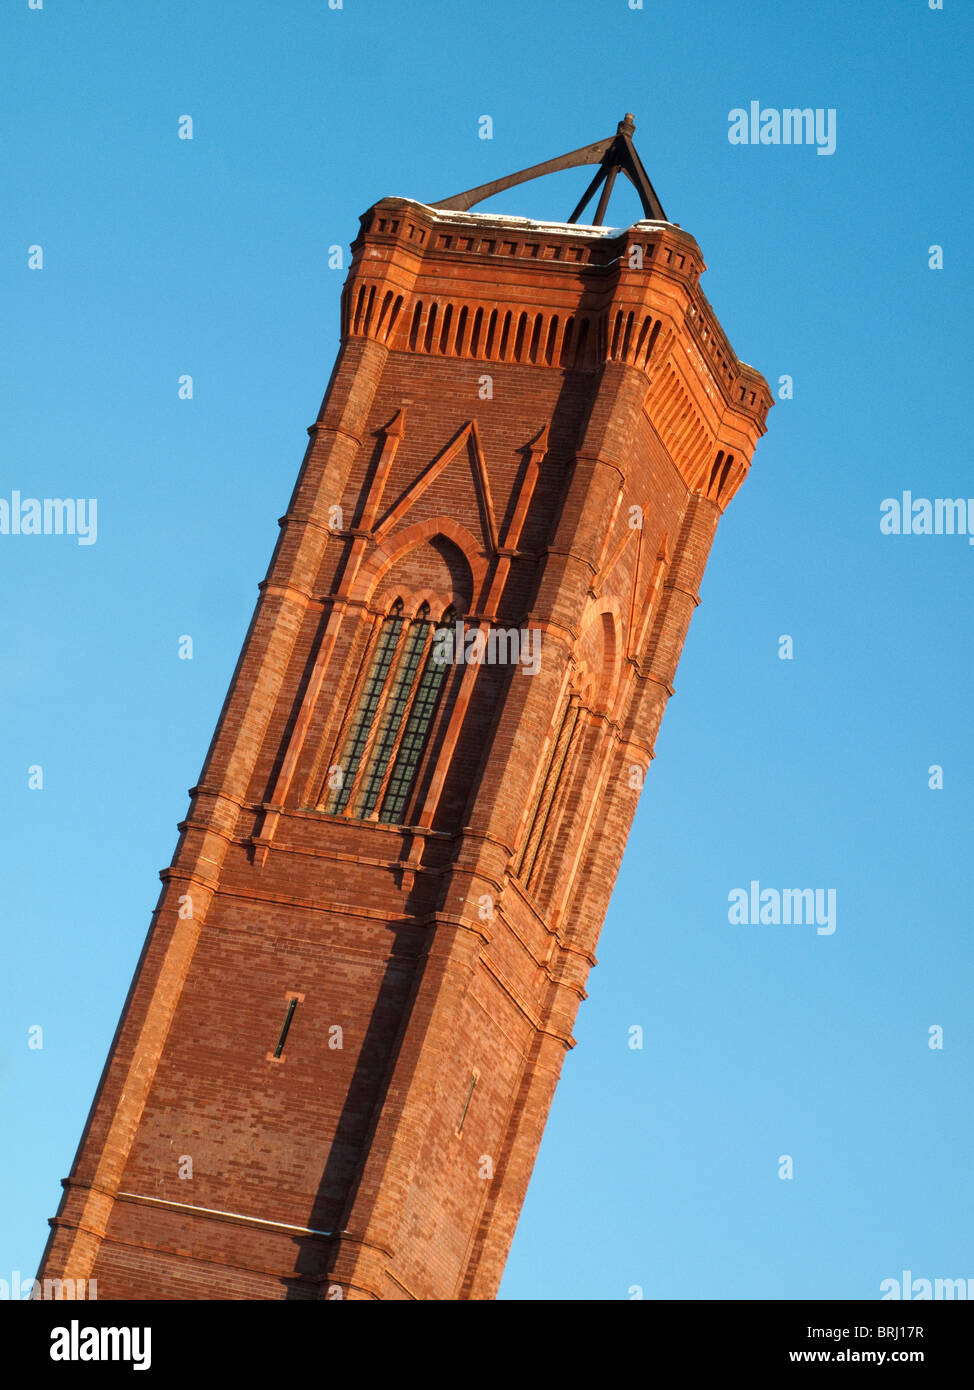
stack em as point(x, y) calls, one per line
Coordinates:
point(614, 154)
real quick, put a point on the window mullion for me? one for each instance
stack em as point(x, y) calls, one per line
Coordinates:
point(428, 692)
point(372, 647)
point(403, 722)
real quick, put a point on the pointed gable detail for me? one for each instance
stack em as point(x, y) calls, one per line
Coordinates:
point(470, 436)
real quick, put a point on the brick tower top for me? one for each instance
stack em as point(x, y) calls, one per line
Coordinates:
point(496, 288)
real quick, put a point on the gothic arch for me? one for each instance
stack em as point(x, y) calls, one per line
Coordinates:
point(369, 578)
point(598, 656)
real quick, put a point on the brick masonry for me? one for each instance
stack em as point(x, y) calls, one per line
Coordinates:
point(507, 392)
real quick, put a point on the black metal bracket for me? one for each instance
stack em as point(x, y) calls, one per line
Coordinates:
point(614, 154)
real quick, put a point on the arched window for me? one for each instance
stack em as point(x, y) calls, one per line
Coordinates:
point(393, 716)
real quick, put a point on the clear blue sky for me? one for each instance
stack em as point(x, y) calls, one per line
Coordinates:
point(659, 1167)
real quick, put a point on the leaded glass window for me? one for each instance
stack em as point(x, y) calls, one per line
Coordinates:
point(394, 714)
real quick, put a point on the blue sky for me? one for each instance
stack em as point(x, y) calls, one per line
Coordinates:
point(659, 1167)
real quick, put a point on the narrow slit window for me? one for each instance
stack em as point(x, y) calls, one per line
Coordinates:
point(286, 1026)
point(466, 1103)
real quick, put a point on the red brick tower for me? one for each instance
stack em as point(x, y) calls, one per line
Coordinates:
point(337, 1056)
